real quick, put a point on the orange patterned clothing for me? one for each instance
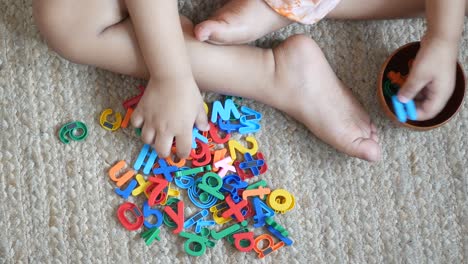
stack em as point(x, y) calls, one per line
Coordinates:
point(303, 11)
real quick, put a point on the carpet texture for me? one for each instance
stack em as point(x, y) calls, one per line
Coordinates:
point(58, 205)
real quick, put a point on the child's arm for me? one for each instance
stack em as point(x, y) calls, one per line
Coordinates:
point(172, 102)
point(160, 37)
point(432, 78)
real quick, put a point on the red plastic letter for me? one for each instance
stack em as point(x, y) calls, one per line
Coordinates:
point(178, 217)
point(234, 209)
point(249, 236)
point(161, 184)
point(135, 211)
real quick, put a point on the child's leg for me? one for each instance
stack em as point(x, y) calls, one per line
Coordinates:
point(90, 32)
point(294, 77)
point(241, 21)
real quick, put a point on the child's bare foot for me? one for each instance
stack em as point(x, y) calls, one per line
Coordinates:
point(308, 90)
point(240, 21)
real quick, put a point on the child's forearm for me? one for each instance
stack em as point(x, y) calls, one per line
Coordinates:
point(445, 19)
point(160, 38)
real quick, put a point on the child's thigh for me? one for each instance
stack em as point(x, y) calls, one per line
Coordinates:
point(380, 9)
point(377, 9)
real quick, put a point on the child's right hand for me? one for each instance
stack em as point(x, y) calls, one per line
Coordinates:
point(169, 109)
point(431, 80)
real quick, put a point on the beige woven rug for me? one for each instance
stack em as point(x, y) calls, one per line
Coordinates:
point(58, 205)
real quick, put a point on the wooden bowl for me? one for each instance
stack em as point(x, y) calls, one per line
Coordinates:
point(398, 61)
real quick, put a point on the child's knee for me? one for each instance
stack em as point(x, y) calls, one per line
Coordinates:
point(55, 26)
point(63, 29)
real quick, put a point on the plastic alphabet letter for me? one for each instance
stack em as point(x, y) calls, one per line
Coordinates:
point(195, 218)
point(250, 121)
point(150, 235)
point(196, 135)
point(178, 217)
point(260, 192)
point(140, 161)
point(248, 174)
point(135, 211)
point(225, 165)
point(134, 100)
point(251, 164)
point(171, 159)
point(217, 156)
point(212, 183)
point(262, 212)
point(76, 131)
point(142, 185)
point(287, 241)
point(203, 151)
point(224, 112)
point(228, 126)
point(235, 145)
point(396, 78)
point(126, 193)
point(148, 211)
point(217, 211)
point(161, 184)
point(255, 185)
point(234, 209)
point(106, 124)
point(127, 117)
point(271, 222)
point(281, 200)
point(124, 178)
point(200, 244)
point(227, 231)
point(170, 193)
point(202, 223)
point(192, 171)
point(404, 111)
point(165, 170)
point(184, 182)
point(269, 248)
point(216, 138)
point(233, 183)
point(249, 236)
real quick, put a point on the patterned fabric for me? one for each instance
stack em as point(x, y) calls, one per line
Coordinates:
point(303, 11)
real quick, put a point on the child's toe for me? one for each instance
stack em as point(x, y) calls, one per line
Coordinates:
point(216, 31)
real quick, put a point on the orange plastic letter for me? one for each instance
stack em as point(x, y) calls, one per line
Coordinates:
point(125, 177)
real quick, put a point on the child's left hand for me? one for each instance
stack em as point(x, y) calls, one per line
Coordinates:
point(431, 80)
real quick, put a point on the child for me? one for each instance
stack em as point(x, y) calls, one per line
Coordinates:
point(432, 78)
point(144, 38)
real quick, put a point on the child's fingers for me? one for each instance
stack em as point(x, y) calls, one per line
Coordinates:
point(184, 144)
point(137, 118)
point(201, 121)
point(147, 134)
point(438, 94)
point(427, 110)
point(420, 96)
point(163, 144)
point(416, 81)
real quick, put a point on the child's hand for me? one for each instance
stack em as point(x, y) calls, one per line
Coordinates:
point(169, 109)
point(431, 80)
